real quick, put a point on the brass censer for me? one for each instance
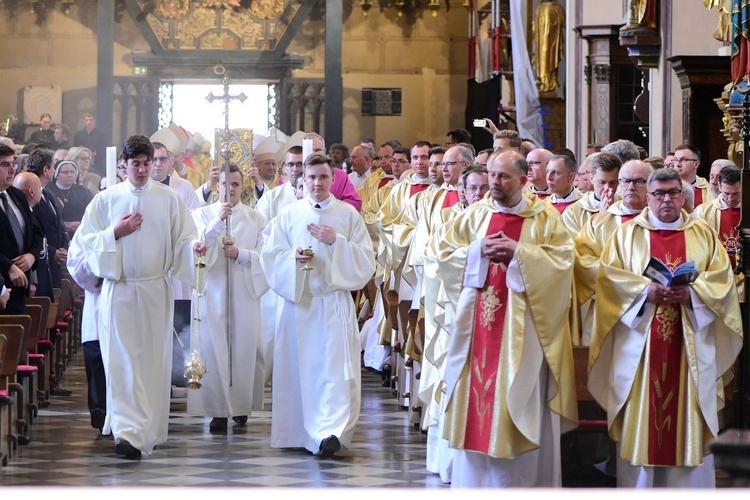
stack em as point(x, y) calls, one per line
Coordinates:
point(195, 368)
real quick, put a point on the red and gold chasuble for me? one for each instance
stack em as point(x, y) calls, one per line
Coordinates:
point(665, 351)
point(627, 217)
point(417, 188)
point(562, 205)
point(450, 199)
point(729, 234)
point(384, 181)
point(489, 322)
point(698, 193)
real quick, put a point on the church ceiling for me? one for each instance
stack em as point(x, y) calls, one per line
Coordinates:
point(235, 25)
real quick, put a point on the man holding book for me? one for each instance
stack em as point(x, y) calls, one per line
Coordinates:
point(658, 351)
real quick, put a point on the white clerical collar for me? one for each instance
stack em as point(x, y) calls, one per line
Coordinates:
point(565, 199)
point(669, 226)
point(450, 187)
point(422, 180)
point(134, 188)
point(322, 204)
point(515, 209)
point(535, 189)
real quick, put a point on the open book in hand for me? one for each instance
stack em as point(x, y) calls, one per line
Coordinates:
point(660, 273)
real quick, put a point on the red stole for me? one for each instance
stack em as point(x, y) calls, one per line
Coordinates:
point(728, 232)
point(417, 188)
point(562, 205)
point(489, 322)
point(665, 347)
point(698, 192)
point(450, 199)
point(384, 181)
point(627, 217)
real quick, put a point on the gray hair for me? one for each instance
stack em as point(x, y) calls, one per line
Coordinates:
point(664, 175)
point(689, 194)
point(623, 148)
point(313, 135)
point(724, 163)
point(464, 154)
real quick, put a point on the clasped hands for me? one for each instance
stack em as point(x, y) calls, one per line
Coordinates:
point(498, 248)
point(660, 294)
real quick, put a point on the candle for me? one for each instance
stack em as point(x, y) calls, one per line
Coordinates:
point(307, 148)
point(111, 166)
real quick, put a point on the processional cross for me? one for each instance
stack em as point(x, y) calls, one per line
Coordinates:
point(226, 154)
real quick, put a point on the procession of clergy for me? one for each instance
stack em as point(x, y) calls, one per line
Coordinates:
point(474, 277)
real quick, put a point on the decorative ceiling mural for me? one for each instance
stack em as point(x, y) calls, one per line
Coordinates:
point(219, 25)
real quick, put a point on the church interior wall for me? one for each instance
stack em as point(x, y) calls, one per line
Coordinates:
point(62, 51)
point(426, 59)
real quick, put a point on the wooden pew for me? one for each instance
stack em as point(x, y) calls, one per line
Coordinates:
point(3, 408)
point(37, 355)
point(28, 372)
point(586, 403)
point(14, 382)
point(15, 336)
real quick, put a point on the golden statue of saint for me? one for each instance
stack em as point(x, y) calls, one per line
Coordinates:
point(549, 42)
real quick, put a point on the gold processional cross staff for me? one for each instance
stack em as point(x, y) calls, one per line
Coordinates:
point(226, 154)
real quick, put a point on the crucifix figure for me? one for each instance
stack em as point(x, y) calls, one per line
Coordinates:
point(226, 154)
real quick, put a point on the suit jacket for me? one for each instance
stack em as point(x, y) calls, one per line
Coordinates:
point(49, 274)
point(9, 248)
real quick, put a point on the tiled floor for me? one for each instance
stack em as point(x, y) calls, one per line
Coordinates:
point(387, 451)
point(65, 450)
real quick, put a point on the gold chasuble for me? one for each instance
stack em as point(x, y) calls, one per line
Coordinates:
point(702, 191)
point(509, 360)
point(576, 216)
point(589, 245)
point(654, 368)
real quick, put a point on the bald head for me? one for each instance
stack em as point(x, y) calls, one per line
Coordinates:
point(30, 185)
point(537, 161)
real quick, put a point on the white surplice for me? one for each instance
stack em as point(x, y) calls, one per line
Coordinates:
point(316, 376)
point(270, 205)
point(216, 397)
point(136, 304)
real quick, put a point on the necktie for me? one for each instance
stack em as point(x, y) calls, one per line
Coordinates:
point(317, 205)
point(13, 221)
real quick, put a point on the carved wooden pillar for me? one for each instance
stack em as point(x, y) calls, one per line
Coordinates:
point(604, 51)
point(702, 79)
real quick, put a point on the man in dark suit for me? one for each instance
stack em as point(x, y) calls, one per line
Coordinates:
point(20, 244)
point(49, 213)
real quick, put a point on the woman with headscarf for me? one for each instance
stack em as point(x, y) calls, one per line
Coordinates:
point(73, 197)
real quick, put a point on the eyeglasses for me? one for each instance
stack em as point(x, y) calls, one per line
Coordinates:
point(7, 164)
point(161, 159)
point(474, 189)
point(636, 182)
point(450, 164)
point(67, 172)
point(122, 167)
point(400, 160)
point(297, 164)
point(534, 163)
point(683, 160)
point(84, 158)
point(673, 193)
